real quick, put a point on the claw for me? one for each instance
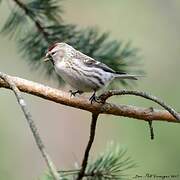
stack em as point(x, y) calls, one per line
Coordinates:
point(94, 98)
point(73, 93)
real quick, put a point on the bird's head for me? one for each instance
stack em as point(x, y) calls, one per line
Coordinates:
point(57, 51)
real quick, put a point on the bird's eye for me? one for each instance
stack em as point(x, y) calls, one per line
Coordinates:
point(53, 53)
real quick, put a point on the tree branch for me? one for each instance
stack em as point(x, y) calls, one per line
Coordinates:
point(83, 103)
point(145, 95)
point(32, 125)
point(89, 145)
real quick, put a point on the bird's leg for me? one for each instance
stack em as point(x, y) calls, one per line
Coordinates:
point(93, 98)
point(73, 93)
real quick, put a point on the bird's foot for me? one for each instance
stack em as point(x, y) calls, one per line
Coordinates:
point(94, 98)
point(73, 93)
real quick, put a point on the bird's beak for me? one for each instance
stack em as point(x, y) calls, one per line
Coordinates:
point(46, 58)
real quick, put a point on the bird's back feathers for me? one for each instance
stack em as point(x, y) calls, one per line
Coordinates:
point(88, 61)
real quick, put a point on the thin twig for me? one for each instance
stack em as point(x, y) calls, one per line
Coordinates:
point(151, 129)
point(89, 145)
point(150, 125)
point(145, 95)
point(61, 97)
point(32, 125)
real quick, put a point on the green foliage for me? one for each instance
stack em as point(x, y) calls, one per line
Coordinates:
point(35, 24)
point(45, 10)
point(112, 164)
point(14, 24)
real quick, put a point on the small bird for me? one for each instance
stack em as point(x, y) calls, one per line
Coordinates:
point(80, 71)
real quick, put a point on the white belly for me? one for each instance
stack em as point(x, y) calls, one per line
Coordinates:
point(73, 79)
point(78, 80)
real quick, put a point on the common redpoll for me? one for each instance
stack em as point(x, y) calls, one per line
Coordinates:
point(80, 71)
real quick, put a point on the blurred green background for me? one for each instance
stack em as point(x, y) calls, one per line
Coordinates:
point(154, 27)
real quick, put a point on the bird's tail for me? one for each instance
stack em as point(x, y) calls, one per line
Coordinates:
point(126, 76)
